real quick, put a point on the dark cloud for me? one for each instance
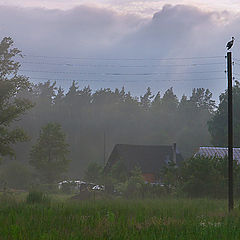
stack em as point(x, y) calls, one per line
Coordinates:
point(175, 31)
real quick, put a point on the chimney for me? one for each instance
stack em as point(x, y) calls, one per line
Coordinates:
point(175, 153)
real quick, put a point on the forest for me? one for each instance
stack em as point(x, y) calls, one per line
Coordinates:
point(86, 116)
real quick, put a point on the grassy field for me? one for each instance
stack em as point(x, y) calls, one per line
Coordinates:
point(119, 219)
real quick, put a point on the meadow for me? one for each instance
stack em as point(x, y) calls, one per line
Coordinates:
point(118, 219)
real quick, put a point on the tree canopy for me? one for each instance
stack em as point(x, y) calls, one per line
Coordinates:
point(12, 103)
point(49, 154)
point(218, 124)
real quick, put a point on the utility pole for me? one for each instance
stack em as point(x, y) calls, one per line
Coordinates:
point(230, 133)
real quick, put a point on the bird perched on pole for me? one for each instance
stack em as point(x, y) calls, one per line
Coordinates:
point(230, 43)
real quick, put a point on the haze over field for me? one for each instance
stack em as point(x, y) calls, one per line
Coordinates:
point(119, 42)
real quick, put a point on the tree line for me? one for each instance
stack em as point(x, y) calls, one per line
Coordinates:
point(86, 116)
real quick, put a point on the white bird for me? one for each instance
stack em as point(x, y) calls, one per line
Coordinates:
point(230, 43)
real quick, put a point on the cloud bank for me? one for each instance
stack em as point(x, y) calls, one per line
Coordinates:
point(173, 32)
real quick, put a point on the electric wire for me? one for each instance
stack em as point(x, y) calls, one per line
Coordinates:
point(118, 74)
point(119, 65)
point(139, 80)
point(120, 59)
point(140, 66)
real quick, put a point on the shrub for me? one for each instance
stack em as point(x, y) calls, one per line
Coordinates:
point(35, 196)
point(16, 175)
point(47, 188)
point(206, 176)
point(93, 172)
point(132, 187)
point(69, 187)
point(7, 199)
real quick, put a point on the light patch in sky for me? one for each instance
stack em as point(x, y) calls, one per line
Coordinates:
point(139, 7)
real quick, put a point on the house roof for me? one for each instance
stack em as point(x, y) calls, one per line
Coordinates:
point(150, 158)
point(218, 152)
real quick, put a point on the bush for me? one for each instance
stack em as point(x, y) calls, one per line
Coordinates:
point(7, 199)
point(149, 190)
point(207, 176)
point(132, 187)
point(36, 196)
point(47, 188)
point(16, 175)
point(93, 172)
point(69, 187)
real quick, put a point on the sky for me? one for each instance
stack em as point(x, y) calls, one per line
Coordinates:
point(140, 7)
point(115, 43)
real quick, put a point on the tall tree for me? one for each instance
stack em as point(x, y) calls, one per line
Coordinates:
point(49, 155)
point(145, 100)
point(11, 106)
point(202, 99)
point(218, 125)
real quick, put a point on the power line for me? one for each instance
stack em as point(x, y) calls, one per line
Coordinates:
point(140, 66)
point(124, 59)
point(119, 74)
point(157, 80)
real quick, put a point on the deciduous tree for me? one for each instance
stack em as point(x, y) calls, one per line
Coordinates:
point(12, 106)
point(49, 155)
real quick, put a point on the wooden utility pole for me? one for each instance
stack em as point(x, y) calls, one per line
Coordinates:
point(230, 133)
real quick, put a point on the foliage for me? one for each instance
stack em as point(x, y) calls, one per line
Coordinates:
point(35, 196)
point(12, 104)
point(119, 171)
point(8, 199)
point(17, 175)
point(153, 191)
point(132, 187)
point(49, 155)
point(46, 188)
point(93, 173)
point(169, 177)
point(69, 187)
point(206, 176)
point(121, 219)
point(85, 115)
point(218, 124)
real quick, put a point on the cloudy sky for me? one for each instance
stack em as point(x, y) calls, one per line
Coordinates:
point(141, 7)
point(111, 43)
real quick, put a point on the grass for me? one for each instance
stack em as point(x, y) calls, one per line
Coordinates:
point(119, 219)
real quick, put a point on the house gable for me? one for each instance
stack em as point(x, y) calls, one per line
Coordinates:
point(149, 158)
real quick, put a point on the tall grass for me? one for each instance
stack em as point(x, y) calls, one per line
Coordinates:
point(120, 219)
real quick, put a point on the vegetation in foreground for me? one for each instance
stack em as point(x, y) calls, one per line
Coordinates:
point(119, 219)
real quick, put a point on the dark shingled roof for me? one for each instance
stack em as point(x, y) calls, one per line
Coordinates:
point(149, 158)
